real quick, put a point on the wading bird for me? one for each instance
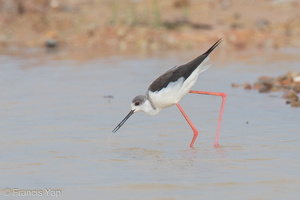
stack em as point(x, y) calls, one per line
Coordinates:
point(169, 88)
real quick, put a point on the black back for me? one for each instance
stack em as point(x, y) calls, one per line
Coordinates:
point(184, 71)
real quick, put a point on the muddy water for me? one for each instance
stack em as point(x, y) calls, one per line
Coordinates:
point(56, 123)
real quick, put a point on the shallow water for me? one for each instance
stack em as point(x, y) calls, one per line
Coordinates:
point(56, 125)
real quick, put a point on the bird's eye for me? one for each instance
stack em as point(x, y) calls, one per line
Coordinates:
point(137, 103)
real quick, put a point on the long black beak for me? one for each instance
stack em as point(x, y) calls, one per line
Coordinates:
point(123, 121)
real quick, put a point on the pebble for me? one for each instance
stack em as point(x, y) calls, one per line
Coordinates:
point(291, 95)
point(296, 88)
point(51, 43)
point(295, 104)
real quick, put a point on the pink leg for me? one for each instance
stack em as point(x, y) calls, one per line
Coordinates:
point(190, 123)
point(223, 95)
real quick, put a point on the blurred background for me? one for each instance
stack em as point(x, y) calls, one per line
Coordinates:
point(70, 68)
point(148, 25)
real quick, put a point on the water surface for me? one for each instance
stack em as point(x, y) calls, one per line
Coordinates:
point(56, 125)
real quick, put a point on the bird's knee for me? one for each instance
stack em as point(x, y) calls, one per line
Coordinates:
point(196, 132)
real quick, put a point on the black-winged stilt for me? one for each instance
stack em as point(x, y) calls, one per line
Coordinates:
point(169, 88)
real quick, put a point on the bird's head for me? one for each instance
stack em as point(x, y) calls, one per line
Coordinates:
point(137, 104)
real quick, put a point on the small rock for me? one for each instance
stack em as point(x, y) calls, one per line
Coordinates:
point(247, 86)
point(295, 103)
point(286, 82)
point(274, 89)
point(296, 88)
point(291, 95)
point(296, 79)
point(266, 87)
point(262, 78)
point(234, 85)
point(51, 43)
point(257, 86)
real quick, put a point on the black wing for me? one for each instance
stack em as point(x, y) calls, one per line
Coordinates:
point(184, 71)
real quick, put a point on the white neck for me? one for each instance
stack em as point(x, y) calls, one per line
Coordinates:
point(149, 109)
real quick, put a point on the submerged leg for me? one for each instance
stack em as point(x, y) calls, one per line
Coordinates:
point(190, 123)
point(223, 95)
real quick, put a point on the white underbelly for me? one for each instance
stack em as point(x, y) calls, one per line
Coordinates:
point(172, 94)
point(175, 91)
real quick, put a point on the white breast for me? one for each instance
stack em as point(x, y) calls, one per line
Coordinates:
point(175, 91)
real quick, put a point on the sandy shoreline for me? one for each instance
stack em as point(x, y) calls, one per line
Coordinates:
point(149, 25)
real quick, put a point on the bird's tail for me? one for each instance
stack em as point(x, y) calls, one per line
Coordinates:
point(203, 67)
point(213, 47)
